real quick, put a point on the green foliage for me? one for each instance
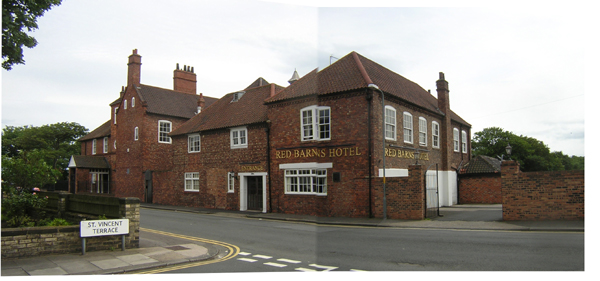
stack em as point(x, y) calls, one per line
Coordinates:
point(18, 15)
point(102, 217)
point(57, 222)
point(27, 171)
point(20, 206)
point(532, 154)
point(53, 144)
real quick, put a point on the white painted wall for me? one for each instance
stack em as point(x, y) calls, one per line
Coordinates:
point(448, 195)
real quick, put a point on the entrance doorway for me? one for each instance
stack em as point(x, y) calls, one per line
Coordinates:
point(254, 186)
point(253, 190)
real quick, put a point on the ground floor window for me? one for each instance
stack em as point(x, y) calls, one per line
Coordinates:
point(306, 181)
point(192, 181)
point(99, 181)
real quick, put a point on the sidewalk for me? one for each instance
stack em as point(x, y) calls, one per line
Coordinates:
point(453, 218)
point(156, 251)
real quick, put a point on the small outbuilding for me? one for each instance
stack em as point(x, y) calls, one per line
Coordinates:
point(480, 181)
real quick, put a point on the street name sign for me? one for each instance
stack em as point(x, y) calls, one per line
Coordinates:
point(104, 227)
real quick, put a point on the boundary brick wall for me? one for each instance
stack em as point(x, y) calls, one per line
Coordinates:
point(34, 241)
point(405, 195)
point(480, 189)
point(557, 195)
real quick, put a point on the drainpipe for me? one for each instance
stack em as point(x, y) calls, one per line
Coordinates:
point(269, 162)
point(370, 140)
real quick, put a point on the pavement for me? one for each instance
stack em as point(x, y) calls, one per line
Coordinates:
point(159, 251)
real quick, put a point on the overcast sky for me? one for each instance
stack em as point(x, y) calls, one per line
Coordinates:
point(522, 69)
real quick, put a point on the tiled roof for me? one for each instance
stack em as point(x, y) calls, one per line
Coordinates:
point(100, 132)
point(170, 103)
point(354, 71)
point(482, 165)
point(257, 83)
point(89, 162)
point(224, 113)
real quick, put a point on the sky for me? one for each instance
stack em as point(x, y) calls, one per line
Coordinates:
point(520, 67)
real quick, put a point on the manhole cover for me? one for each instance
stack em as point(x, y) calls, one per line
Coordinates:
point(177, 248)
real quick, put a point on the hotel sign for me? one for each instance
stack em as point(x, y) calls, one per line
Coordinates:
point(407, 154)
point(318, 152)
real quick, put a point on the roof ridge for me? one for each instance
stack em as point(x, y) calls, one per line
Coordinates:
point(361, 68)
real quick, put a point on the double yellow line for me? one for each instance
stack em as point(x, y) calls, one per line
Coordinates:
point(232, 252)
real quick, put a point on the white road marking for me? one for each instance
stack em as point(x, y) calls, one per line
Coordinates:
point(288, 261)
point(248, 260)
point(304, 269)
point(327, 268)
point(244, 254)
point(275, 264)
point(262, 257)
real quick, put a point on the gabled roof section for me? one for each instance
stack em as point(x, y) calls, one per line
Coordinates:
point(257, 83)
point(482, 165)
point(170, 103)
point(353, 72)
point(224, 113)
point(100, 132)
point(88, 162)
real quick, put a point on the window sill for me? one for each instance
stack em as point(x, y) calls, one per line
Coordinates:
point(191, 191)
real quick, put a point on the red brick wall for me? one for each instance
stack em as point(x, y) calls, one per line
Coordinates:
point(405, 196)
point(350, 196)
point(215, 159)
point(557, 195)
point(475, 189)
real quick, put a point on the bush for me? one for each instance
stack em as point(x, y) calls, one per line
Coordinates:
point(21, 207)
point(57, 222)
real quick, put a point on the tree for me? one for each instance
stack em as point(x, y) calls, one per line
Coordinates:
point(18, 15)
point(532, 154)
point(52, 144)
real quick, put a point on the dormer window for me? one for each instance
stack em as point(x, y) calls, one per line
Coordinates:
point(237, 96)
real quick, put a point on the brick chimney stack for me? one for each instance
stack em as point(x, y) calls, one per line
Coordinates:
point(443, 94)
point(201, 103)
point(184, 80)
point(446, 126)
point(134, 68)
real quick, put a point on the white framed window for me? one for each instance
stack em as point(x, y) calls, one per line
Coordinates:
point(192, 182)
point(390, 123)
point(115, 115)
point(306, 181)
point(136, 133)
point(315, 123)
point(193, 143)
point(133, 102)
point(408, 127)
point(435, 134)
point(464, 141)
point(422, 131)
point(230, 182)
point(239, 137)
point(164, 128)
point(456, 140)
point(237, 96)
point(125, 104)
point(94, 147)
point(105, 145)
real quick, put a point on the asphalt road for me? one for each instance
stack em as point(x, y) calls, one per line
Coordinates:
point(271, 246)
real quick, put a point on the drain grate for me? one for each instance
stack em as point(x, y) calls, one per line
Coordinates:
point(177, 248)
